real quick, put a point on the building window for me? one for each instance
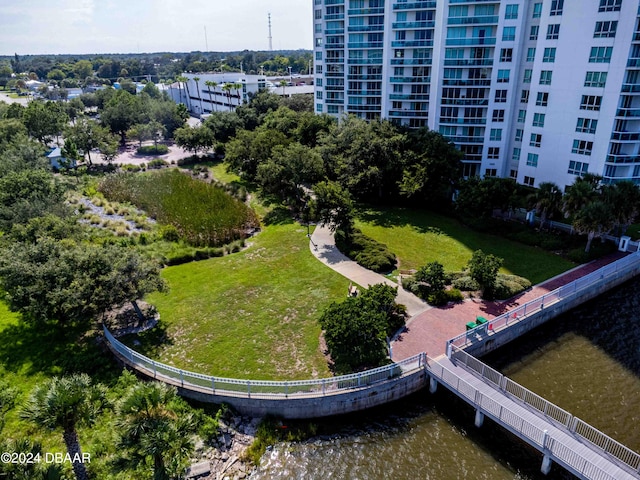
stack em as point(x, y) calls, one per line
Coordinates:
point(495, 135)
point(545, 77)
point(522, 116)
point(582, 147)
point(537, 10)
point(498, 116)
point(538, 120)
point(549, 55)
point(319, 107)
point(318, 55)
point(595, 79)
point(578, 168)
point(532, 160)
point(516, 154)
point(503, 76)
point(319, 94)
point(553, 31)
point(511, 12)
point(600, 54)
point(508, 34)
point(590, 102)
point(527, 76)
point(535, 140)
point(529, 181)
point(491, 172)
point(506, 54)
point(533, 34)
point(524, 96)
point(586, 125)
point(519, 133)
point(513, 174)
point(542, 99)
point(610, 5)
point(318, 14)
point(501, 96)
point(556, 7)
point(493, 153)
point(531, 54)
point(605, 29)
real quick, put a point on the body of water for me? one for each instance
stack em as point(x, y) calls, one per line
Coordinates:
point(587, 362)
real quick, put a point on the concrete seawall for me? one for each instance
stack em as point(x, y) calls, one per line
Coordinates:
point(297, 407)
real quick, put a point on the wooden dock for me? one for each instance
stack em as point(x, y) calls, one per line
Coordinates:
point(553, 439)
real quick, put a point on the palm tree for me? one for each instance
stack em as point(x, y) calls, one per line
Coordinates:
point(180, 79)
point(547, 200)
point(237, 87)
point(584, 190)
point(185, 80)
point(211, 84)
point(227, 87)
point(197, 79)
point(65, 402)
point(624, 198)
point(151, 429)
point(595, 219)
point(283, 83)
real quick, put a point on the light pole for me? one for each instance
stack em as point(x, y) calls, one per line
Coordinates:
point(290, 76)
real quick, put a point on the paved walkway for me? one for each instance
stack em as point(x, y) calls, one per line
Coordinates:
point(429, 328)
point(323, 246)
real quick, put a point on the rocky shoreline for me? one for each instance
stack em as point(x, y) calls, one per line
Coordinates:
point(224, 459)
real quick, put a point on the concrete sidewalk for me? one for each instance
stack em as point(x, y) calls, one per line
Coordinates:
point(323, 247)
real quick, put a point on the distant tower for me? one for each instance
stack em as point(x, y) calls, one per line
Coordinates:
point(270, 37)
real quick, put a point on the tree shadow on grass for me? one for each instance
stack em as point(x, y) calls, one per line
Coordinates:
point(54, 350)
point(278, 215)
point(150, 342)
point(421, 221)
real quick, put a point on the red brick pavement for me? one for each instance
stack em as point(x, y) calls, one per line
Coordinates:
point(430, 330)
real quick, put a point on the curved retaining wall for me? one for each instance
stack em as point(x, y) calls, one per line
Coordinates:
point(295, 399)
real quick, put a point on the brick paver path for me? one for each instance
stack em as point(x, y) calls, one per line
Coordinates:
point(430, 330)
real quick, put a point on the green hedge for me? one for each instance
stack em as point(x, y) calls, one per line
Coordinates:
point(153, 150)
point(366, 251)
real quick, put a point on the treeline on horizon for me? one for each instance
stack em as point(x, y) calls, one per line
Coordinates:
point(161, 65)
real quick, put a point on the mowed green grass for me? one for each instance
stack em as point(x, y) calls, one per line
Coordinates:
point(418, 237)
point(253, 314)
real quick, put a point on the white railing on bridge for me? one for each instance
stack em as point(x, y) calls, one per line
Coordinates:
point(260, 388)
point(520, 313)
point(549, 410)
point(517, 424)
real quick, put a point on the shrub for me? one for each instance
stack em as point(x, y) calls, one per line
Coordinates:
point(180, 258)
point(157, 163)
point(153, 150)
point(443, 297)
point(366, 251)
point(507, 286)
point(131, 168)
point(598, 249)
point(466, 284)
point(552, 242)
point(169, 233)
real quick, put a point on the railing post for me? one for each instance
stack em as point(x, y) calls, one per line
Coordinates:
point(359, 378)
point(323, 386)
point(286, 389)
point(249, 388)
point(181, 378)
point(213, 384)
point(154, 368)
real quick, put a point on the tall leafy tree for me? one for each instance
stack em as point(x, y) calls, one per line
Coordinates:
point(547, 200)
point(44, 120)
point(64, 403)
point(123, 111)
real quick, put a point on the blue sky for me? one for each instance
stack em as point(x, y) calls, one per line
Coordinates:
point(132, 26)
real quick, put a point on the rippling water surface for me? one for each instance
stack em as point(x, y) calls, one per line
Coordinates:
point(587, 362)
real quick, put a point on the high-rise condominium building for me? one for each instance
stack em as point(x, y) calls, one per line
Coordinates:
point(534, 90)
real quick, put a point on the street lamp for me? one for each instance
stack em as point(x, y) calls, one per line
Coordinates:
point(290, 76)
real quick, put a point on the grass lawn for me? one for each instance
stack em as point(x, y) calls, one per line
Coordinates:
point(418, 237)
point(252, 314)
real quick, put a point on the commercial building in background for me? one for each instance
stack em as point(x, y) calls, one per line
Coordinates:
point(213, 92)
point(533, 90)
